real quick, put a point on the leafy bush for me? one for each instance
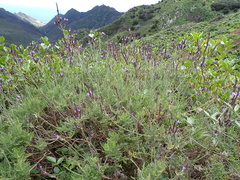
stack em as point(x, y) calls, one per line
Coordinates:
point(119, 110)
point(225, 6)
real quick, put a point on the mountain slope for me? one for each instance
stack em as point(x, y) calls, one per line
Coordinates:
point(17, 31)
point(149, 19)
point(29, 19)
point(95, 18)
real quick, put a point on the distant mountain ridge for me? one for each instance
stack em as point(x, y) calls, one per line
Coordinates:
point(166, 16)
point(16, 30)
point(95, 18)
point(29, 19)
point(20, 28)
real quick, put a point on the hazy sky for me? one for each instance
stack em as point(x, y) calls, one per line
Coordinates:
point(45, 10)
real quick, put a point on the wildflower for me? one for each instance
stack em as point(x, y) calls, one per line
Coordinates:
point(134, 63)
point(77, 110)
point(228, 122)
point(236, 94)
point(18, 97)
point(185, 167)
point(173, 128)
point(156, 63)
point(90, 93)
point(55, 136)
point(61, 74)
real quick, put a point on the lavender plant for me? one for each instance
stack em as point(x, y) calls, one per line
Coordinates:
point(119, 110)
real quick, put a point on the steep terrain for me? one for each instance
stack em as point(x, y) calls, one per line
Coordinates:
point(154, 19)
point(95, 18)
point(29, 19)
point(16, 30)
point(20, 28)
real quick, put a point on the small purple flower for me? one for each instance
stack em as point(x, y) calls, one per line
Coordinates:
point(70, 60)
point(55, 136)
point(90, 93)
point(228, 122)
point(192, 57)
point(198, 52)
point(235, 86)
point(173, 128)
point(61, 74)
point(236, 93)
point(18, 97)
point(77, 110)
point(185, 167)
point(134, 63)
point(156, 63)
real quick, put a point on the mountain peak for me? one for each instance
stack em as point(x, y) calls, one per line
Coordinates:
point(97, 17)
point(29, 19)
point(103, 6)
point(72, 10)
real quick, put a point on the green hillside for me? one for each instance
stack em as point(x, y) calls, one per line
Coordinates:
point(163, 16)
point(17, 31)
point(145, 103)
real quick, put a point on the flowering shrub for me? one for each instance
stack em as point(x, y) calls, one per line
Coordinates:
point(119, 110)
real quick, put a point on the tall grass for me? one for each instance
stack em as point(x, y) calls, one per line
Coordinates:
point(119, 111)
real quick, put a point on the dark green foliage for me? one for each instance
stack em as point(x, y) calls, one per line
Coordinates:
point(150, 19)
point(225, 6)
point(146, 12)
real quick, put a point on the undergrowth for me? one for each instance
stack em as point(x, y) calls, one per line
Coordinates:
point(126, 110)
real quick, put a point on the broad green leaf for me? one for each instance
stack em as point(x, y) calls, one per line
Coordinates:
point(3, 60)
point(56, 170)
point(66, 33)
point(2, 39)
point(51, 159)
point(60, 160)
point(45, 40)
point(34, 171)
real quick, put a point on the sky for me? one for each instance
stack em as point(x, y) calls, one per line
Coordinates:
point(45, 10)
